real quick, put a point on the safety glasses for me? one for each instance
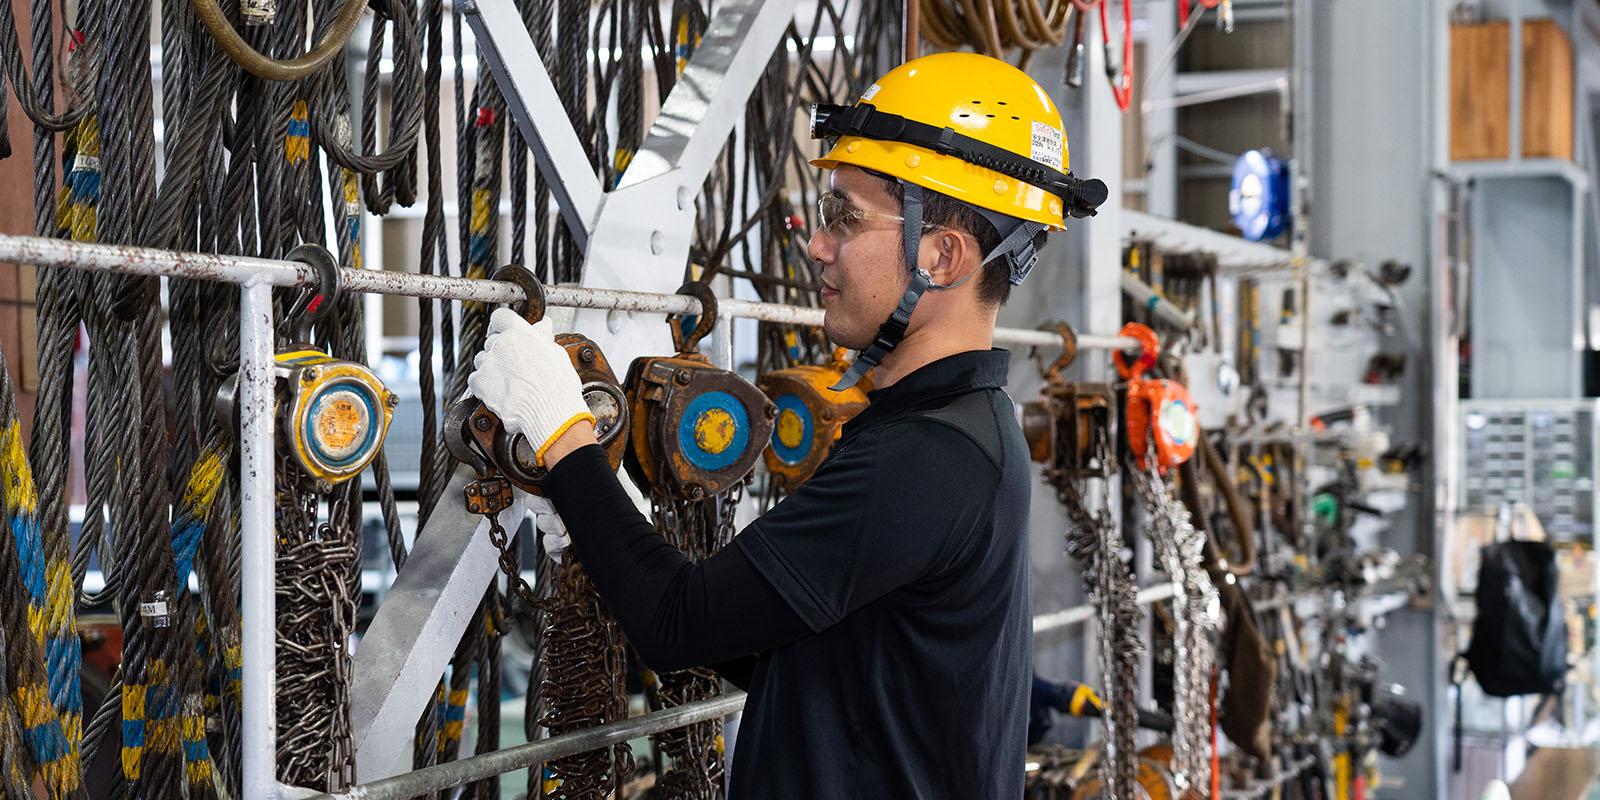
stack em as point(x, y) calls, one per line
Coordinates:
point(840, 218)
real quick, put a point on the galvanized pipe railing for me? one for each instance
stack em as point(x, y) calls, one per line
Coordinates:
point(1044, 623)
point(241, 269)
point(256, 277)
point(487, 765)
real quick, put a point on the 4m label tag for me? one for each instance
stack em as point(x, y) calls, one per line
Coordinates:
point(1047, 144)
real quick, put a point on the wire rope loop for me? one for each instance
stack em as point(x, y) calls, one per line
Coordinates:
point(295, 69)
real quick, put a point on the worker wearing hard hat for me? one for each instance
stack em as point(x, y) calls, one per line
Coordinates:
point(882, 611)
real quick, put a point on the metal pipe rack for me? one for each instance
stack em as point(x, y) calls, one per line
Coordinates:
point(487, 765)
point(243, 270)
point(256, 277)
point(1044, 623)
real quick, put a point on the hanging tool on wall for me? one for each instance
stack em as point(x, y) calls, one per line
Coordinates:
point(331, 414)
point(1160, 412)
point(1258, 199)
point(810, 418)
point(697, 432)
point(583, 654)
point(697, 429)
point(471, 424)
point(1065, 426)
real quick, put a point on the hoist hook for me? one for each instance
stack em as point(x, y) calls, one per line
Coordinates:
point(1149, 351)
point(315, 305)
point(1069, 351)
point(687, 342)
point(532, 306)
point(458, 440)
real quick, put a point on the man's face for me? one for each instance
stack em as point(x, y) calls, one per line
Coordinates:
point(863, 270)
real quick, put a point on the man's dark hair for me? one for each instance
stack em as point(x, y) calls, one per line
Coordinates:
point(994, 282)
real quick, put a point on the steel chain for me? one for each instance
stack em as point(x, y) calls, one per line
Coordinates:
point(1096, 542)
point(316, 618)
point(1195, 610)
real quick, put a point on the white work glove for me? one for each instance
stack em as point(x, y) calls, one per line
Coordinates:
point(523, 376)
point(552, 531)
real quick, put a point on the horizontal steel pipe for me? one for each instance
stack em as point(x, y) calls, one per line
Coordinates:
point(1076, 614)
point(475, 768)
point(239, 269)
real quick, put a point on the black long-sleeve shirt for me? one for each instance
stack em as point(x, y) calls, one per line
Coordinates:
point(888, 598)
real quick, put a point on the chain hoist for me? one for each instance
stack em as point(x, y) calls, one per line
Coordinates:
point(1162, 407)
point(583, 652)
point(697, 433)
point(1071, 430)
point(502, 460)
point(1162, 433)
point(331, 416)
point(697, 430)
point(811, 416)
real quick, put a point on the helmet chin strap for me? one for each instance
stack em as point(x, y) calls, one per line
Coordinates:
point(1016, 246)
point(893, 329)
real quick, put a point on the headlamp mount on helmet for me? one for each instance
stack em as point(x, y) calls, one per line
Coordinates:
point(1080, 198)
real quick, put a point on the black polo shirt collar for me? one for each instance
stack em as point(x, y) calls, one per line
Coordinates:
point(952, 375)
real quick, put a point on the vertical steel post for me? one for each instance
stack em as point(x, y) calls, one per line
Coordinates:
point(256, 501)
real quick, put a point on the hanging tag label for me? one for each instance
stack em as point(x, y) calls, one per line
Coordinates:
point(258, 12)
point(1047, 144)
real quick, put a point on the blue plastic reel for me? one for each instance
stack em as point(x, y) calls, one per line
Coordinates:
point(1259, 198)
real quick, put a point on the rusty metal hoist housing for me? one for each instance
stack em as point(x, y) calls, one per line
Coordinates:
point(1066, 428)
point(476, 436)
point(697, 430)
point(810, 417)
point(331, 414)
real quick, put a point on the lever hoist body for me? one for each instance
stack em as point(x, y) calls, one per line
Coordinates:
point(811, 416)
point(697, 429)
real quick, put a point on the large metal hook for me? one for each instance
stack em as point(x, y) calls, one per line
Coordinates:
point(688, 342)
point(532, 306)
point(459, 441)
point(1069, 351)
point(315, 305)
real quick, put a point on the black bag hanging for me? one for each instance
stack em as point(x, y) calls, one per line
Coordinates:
point(1519, 636)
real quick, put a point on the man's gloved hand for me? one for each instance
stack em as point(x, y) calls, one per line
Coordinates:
point(523, 376)
point(552, 531)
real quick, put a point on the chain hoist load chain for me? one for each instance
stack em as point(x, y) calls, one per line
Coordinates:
point(811, 416)
point(1071, 429)
point(1162, 433)
point(1196, 611)
point(697, 430)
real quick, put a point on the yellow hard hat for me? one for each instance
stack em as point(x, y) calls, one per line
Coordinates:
point(968, 126)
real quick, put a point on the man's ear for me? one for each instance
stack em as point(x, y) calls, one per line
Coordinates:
point(949, 256)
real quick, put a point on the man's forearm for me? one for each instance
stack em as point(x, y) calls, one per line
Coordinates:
point(676, 613)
